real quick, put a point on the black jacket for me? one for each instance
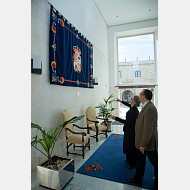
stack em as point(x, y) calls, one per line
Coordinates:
point(129, 128)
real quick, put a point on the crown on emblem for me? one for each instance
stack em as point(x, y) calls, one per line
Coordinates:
point(77, 50)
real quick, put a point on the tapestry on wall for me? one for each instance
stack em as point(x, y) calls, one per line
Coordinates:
point(71, 57)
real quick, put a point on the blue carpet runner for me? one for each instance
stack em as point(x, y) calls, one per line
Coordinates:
point(108, 162)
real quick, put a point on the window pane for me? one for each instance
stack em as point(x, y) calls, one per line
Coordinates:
point(136, 54)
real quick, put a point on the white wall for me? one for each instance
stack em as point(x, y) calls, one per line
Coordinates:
point(147, 69)
point(49, 101)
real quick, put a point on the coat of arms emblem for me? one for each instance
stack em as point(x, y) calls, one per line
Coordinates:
point(77, 62)
point(135, 65)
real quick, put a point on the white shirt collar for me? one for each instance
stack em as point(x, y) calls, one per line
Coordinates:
point(143, 105)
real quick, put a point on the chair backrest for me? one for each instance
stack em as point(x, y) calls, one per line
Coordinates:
point(66, 115)
point(90, 114)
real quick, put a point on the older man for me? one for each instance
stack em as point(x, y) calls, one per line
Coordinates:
point(146, 138)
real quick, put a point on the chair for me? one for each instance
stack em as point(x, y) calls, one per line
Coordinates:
point(91, 118)
point(73, 137)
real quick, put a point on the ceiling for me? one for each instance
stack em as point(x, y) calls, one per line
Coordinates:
point(116, 12)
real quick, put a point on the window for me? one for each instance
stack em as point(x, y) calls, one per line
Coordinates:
point(119, 74)
point(136, 55)
point(137, 73)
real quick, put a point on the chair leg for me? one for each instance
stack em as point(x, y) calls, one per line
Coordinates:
point(74, 146)
point(67, 149)
point(83, 151)
point(89, 143)
point(96, 136)
point(106, 133)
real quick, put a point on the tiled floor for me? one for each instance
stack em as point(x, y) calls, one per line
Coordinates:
point(84, 182)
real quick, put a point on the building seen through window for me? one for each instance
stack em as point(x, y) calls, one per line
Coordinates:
point(136, 60)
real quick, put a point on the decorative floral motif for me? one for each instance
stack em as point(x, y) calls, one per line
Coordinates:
point(93, 168)
point(61, 80)
point(61, 22)
point(54, 17)
point(54, 79)
point(53, 27)
point(117, 136)
point(53, 64)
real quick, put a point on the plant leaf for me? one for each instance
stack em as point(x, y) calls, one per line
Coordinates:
point(48, 139)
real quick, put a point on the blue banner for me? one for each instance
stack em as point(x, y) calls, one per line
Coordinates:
point(70, 54)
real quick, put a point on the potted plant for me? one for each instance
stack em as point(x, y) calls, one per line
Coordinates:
point(105, 109)
point(57, 171)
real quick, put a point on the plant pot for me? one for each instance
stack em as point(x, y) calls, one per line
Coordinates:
point(109, 126)
point(56, 178)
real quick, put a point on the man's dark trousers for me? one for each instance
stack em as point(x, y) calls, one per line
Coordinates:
point(141, 160)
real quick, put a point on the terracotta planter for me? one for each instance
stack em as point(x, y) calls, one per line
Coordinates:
point(56, 178)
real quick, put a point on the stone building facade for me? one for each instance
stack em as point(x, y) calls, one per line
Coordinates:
point(136, 72)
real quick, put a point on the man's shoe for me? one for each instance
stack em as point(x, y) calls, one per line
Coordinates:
point(155, 188)
point(132, 180)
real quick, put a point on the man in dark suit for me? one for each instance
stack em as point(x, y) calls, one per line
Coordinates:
point(146, 138)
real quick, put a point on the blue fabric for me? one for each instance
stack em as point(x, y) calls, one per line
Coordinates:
point(70, 54)
point(109, 156)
